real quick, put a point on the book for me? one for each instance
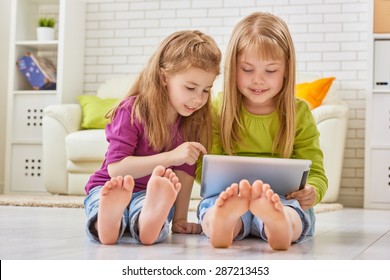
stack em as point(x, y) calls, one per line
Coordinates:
point(40, 72)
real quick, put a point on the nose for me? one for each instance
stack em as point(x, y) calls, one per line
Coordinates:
point(197, 99)
point(258, 78)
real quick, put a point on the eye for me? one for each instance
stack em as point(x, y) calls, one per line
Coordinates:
point(248, 70)
point(190, 88)
point(270, 71)
point(206, 91)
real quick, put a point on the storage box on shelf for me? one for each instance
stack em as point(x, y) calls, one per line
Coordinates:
point(25, 104)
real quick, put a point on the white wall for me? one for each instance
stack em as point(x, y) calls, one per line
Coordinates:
point(5, 6)
point(330, 39)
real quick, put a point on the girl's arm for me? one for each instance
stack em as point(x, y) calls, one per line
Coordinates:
point(125, 137)
point(180, 223)
point(307, 146)
point(140, 166)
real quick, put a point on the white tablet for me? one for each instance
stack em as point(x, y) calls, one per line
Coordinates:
point(283, 175)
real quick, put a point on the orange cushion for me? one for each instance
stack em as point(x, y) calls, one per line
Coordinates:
point(314, 92)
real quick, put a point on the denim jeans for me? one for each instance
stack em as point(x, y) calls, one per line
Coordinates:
point(129, 218)
point(254, 226)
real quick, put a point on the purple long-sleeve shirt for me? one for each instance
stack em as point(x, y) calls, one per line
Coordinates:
point(127, 139)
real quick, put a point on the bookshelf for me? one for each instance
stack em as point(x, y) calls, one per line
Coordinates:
point(23, 165)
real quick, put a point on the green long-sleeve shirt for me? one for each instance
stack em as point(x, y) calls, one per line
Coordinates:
point(259, 132)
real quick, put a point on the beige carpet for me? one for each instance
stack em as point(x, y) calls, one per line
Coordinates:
point(35, 200)
point(70, 201)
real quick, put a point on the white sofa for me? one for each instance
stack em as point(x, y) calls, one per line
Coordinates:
point(71, 155)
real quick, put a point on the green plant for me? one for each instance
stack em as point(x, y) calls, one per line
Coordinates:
point(46, 22)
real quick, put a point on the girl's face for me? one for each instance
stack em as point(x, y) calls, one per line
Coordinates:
point(188, 90)
point(259, 81)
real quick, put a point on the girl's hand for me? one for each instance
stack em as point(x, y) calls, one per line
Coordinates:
point(182, 226)
point(306, 197)
point(187, 152)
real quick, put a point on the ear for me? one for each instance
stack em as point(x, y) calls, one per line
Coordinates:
point(163, 77)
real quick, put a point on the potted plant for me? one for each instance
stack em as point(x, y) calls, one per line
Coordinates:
point(45, 30)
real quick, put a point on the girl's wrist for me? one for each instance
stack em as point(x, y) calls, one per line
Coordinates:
point(167, 158)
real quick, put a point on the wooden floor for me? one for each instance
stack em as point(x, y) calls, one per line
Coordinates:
point(58, 234)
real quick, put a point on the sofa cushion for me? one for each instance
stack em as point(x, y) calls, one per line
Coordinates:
point(314, 92)
point(94, 110)
point(117, 87)
point(83, 167)
point(86, 145)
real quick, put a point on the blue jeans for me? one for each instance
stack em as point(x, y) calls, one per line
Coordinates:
point(129, 218)
point(254, 226)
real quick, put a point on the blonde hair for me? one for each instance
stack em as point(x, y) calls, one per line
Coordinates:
point(269, 36)
point(180, 51)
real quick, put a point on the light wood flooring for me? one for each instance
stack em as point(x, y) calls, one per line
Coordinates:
point(58, 233)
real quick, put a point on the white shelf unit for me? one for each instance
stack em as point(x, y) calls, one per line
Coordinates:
point(377, 144)
point(23, 168)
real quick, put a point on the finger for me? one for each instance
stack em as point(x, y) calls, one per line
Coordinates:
point(195, 154)
point(196, 230)
point(193, 157)
point(187, 228)
point(190, 161)
point(307, 204)
point(305, 201)
point(179, 229)
point(293, 195)
point(300, 194)
point(193, 228)
point(199, 147)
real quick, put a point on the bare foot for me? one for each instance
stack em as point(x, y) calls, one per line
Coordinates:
point(161, 193)
point(222, 223)
point(115, 195)
point(266, 205)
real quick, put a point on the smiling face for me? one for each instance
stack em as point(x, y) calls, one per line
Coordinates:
point(188, 91)
point(259, 81)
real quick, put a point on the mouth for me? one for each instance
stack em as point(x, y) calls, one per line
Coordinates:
point(258, 91)
point(191, 108)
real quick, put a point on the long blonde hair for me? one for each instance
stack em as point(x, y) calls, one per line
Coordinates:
point(180, 51)
point(269, 36)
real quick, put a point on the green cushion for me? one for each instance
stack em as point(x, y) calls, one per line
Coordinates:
point(94, 110)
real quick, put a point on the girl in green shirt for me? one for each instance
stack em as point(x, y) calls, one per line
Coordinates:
point(258, 115)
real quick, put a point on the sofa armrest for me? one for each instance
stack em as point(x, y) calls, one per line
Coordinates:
point(68, 115)
point(58, 121)
point(337, 109)
point(331, 120)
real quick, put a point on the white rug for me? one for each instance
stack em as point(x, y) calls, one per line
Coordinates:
point(71, 201)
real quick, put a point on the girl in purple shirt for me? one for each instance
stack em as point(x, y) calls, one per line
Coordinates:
point(155, 136)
